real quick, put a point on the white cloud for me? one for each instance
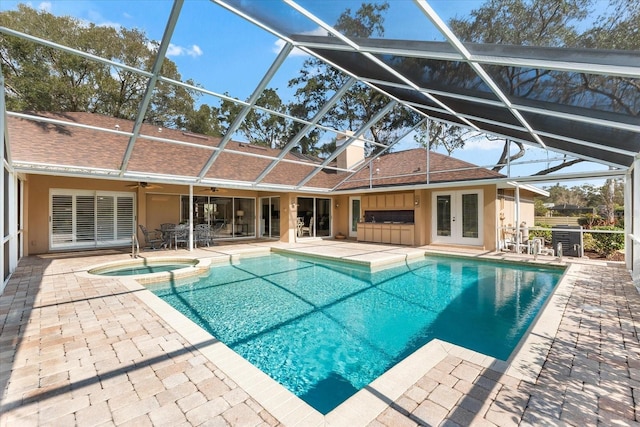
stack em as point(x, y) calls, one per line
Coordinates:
point(481, 143)
point(45, 6)
point(279, 44)
point(110, 24)
point(96, 19)
point(193, 51)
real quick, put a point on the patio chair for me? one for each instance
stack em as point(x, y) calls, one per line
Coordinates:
point(167, 229)
point(181, 235)
point(202, 234)
point(216, 230)
point(307, 229)
point(151, 240)
point(299, 226)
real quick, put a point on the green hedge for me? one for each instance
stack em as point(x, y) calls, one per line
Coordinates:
point(604, 244)
point(546, 234)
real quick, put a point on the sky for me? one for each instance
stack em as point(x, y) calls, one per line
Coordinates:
point(228, 55)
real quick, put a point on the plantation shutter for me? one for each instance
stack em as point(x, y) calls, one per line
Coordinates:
point(84, 219)
point(106, 218)
point(125, 222)
point(61, 219)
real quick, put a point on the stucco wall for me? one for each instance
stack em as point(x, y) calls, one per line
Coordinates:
point(424, 214)
point(153, 206)
point(37, 213)
point(160, 205)
point(506, 206)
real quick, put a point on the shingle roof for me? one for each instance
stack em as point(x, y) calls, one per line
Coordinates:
point(185, 154)
point(410, 167)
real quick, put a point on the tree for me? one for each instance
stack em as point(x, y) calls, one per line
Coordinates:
point(41, 78)
point(539, 208)
point(520, 22)
point(262, 128)
point(612, 196)
point(317, 81)
point(204, 121)
point(437, 134)
point(555, 23)
point(605, 199)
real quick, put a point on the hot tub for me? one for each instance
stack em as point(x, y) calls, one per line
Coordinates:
point(152, 269)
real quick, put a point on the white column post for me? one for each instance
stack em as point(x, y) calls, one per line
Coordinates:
point(190, 217)
point(628, 224)
point(635, 218)
point(517, 217)
point(428, 149)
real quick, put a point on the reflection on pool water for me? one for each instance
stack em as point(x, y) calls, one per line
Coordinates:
point(325, 330)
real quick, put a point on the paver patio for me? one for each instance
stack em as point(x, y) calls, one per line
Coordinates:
point(76, 350)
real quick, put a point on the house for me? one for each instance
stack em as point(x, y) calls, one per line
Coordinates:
point(566, 209)
point(90, 180)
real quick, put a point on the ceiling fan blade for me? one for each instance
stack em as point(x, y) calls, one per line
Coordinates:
point(213, 190)
point(143, 184)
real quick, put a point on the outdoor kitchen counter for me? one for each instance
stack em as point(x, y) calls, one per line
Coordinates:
point(396, 233)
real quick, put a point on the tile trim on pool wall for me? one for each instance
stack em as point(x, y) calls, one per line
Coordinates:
point(193, 267)
point(391, 259)
point(528, 358)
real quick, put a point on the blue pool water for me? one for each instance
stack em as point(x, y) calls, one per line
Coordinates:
point(325, 330)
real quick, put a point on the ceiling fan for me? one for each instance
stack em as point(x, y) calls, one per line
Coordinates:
point(144, 184)
point(212, 190)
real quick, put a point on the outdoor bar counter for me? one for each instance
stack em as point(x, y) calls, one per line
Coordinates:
point(396, 233)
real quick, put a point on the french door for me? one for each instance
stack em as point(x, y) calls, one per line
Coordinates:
point(457, 217)
point(354, 216)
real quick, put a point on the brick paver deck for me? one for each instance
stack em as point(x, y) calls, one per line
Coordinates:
point(81, 351)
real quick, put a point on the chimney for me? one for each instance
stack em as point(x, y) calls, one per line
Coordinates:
point(353, 154)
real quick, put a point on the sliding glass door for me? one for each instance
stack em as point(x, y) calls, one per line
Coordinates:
point(270, 217)
point(236, 216)
point(315, 215)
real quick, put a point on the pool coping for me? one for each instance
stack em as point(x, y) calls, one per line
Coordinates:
point(364, 406)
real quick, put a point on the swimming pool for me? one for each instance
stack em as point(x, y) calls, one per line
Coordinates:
point(325, 330)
